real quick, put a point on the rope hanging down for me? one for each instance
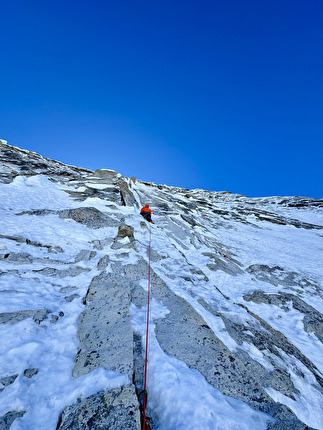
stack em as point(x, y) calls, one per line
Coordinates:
point(145, 425)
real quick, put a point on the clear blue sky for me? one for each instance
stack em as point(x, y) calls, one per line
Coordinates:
point(214, 94)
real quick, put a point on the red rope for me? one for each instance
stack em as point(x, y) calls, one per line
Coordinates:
point(147, 331)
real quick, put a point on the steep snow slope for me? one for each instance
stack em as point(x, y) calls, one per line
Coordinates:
point(236, 313)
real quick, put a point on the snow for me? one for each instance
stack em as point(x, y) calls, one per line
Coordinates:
point(173, 387)
point(257, 355)
point(308, 402)
point(298, 250)
point(52, 351)
point(290, 323)
point(35, 192)
point(181, 396)
point(98, 186)
point(51, 348)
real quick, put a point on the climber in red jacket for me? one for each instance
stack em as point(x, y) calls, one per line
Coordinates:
point(146, 213)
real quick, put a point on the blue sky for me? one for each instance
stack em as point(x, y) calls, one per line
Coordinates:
point(220, 95)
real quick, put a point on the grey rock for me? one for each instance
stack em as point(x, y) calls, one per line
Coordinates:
point(278, 340)
point(277, 275)
point(7, 419)
point(25, 258)
point(54, 249)
point(109, 176)
point(189, 219)
point(89, 216)
point(313, 320)
point(101, 244)
point(69, 289)
point(69, 299)
point(10, 272)
point(127, 196)
point(263, 340)
point(71, 271)
point(185, 335)
point(138, 368)
point(111, 194)
point(138, 272)
point(28, 163)
point(8, 380)
point(103, 262)
point(117, 244)
point(226, 265)
point(105, 331)
point(267, 216)
point(301, 202)
point(17, 258)
point(21, 239)
point(126, 231)
point(37, 212)
point(85, 255)
point(53, 318)
point(199, 272)
point(14, 317)
point(29, 373)
point(113, 410)
point(123, 232)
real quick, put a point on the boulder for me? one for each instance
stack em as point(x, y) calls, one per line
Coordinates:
point(105, 174)
point(89, 216)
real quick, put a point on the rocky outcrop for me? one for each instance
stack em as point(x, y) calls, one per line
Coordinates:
point(224, 288)
point(312, 320)
point(20, 162)
point(114, 410)
point(125, 238)
point(14, 317)
point(105, 330)
point(5, 382)
point(127, 196)
point(184, 334)
point(7, 419)
point(90, 217)
point(106, 175)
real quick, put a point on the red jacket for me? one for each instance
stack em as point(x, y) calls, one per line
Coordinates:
point(146, 209)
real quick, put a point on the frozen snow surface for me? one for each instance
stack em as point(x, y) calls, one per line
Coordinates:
point(236, 326)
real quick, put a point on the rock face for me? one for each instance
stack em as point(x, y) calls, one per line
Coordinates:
point(14, 317)
point(105, 329)
point(16, 161)
point(114, 410)
point(236, 301)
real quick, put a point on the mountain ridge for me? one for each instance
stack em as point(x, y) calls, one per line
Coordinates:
point(236, 308)
point(18, 150)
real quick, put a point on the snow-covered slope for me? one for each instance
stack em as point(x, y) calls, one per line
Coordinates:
point(236, 313)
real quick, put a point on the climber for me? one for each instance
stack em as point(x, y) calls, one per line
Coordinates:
point(146, 213)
